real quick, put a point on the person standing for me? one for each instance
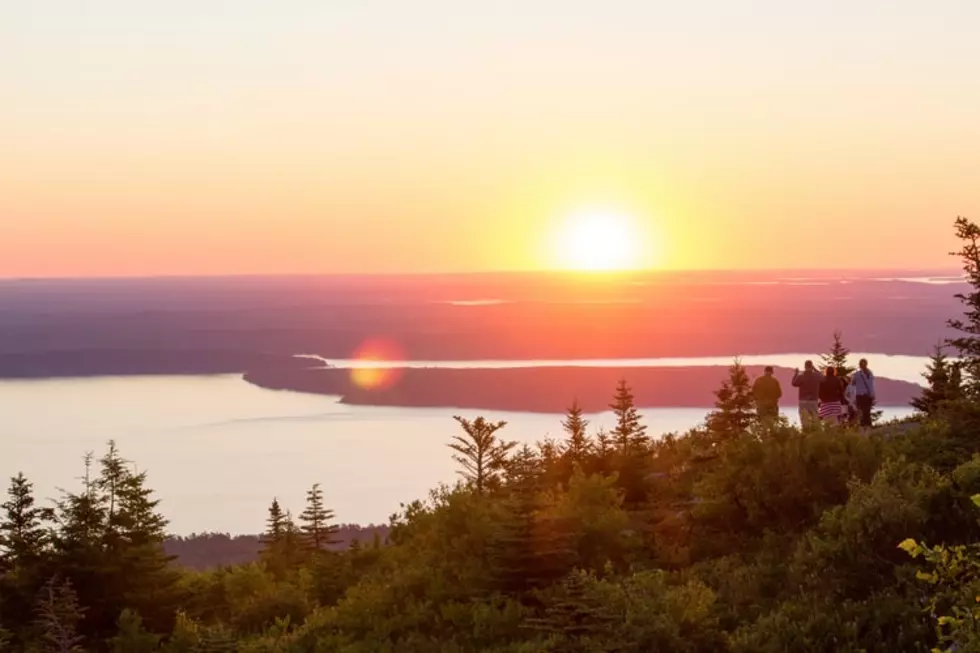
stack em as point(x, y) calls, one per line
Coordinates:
point(864, 392)
point(849, 412)
point(831, 397)
point(809, 385)
point(767, 393)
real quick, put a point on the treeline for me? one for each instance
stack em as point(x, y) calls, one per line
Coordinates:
point(741, 535)
point(206, 550)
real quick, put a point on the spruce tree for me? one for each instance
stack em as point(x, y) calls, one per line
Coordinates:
point(530, 548)
point(967, 344)
point(132, 637)
point(630, 433)
point(114, 473)
point(81, 516)
point(572, 616)
point(938, 374)
point(602, 449)
point(283, 543)
point(734, 406)
point(78, 547)
point(185, 637)
point(292, 542)
point(147, 575)
point(274, 524)
point(23, 555)
point(480, 453)
point(23, 536)
point(318, 531)
point(577, 446)
point(523, 469)
point(837, 356)
point(58, 617)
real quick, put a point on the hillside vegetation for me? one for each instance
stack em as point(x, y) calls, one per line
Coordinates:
point(742, 535)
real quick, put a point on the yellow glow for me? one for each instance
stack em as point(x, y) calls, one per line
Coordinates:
point(598, 241)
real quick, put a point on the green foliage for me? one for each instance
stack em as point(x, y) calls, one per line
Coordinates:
point(577, 446)
point(630, 434)
point(944, 382)
point(132, 637)
point(59, 616)
point(480, 453)
point(953, 576)
point(734, 405)
point(967, 344)
point(22, 533)
point(318, 532)
point(837, 356)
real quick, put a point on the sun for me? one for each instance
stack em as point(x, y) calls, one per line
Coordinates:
point(598, 241)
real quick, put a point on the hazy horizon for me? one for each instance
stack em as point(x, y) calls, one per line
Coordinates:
point(906, 272)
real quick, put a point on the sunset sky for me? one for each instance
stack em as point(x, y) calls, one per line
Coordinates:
point(302, 136)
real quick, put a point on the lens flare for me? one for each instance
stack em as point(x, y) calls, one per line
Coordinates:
point(373, 369)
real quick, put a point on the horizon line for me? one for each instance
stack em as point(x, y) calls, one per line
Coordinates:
point(952, 271)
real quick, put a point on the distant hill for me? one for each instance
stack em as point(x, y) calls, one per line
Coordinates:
point(207, 550)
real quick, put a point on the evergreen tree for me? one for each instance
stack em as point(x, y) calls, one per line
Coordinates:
point(523, 469)
point(967, 344)
point(58, 617)
point(292, 542)
point(630, 433)
point(480, 452)
point(80, 517)
point(283, 545)
point(22, 533)
point(577, 446)
point(79, 554)
point(940, 390)
point(319, 532)
point(573, 617)
point(530, 549)
point(274, 525)
point(603, 448)
point(734, 406)
point(186, 636)
point(23, 549)
point(114, 473)
point(837, 356)
point(132, 636)
point(954, 390)
point(146, 574)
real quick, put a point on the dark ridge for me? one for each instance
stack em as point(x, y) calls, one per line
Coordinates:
point(540, 389)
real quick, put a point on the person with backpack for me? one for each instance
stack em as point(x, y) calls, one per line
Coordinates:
point(864, 392)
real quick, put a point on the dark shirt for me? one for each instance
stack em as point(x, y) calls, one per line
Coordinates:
point(809, 385)
point(831, 390)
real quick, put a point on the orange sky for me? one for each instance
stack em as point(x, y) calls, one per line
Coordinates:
point(431, 136)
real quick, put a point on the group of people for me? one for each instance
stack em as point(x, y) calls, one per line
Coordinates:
point(832, 396)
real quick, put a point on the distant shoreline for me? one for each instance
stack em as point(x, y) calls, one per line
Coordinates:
point(533, 390)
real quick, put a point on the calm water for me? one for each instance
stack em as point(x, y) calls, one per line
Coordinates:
point(218, 450)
